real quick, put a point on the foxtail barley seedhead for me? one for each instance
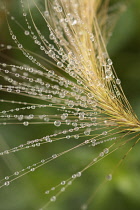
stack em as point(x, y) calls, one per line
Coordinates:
point(64, 80)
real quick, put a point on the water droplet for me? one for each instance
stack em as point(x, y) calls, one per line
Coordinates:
point(58, 8)
point(47, 192)
point(109, 177)
point(63, 189)
point(63, 182)
point(60, 64)
point(6, 183)
point(54, 156)
point(104, 133)
point(46, 13)
point(79, 174)
point(16, 173)
point(70, 182)
point(9, 47)
point(26, 33)
point(47, 139)
point(53, 199)
point(101, 154)
point(7, 177)
point(64, 116)
point(76, 136)
point(109, 61)
point(92, 37)
point(51, 36)
point(25, 123)
point(74, 176)
point(74, 22)
point(95, 159)
point(106, 150)
point(87, 131)
point(108, 73)
point(13, 37)
point(57, 123)
point(118, 81)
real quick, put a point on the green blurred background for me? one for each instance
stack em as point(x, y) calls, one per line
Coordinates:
point(123, 192)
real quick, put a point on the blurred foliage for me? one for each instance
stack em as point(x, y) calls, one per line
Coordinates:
point(27, 193)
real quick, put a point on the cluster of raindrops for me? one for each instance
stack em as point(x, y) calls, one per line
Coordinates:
point(61, 86)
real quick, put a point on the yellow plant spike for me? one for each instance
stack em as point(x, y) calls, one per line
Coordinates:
point(62, 81)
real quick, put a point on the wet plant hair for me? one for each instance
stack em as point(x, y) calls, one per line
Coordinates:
point(59, 83)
